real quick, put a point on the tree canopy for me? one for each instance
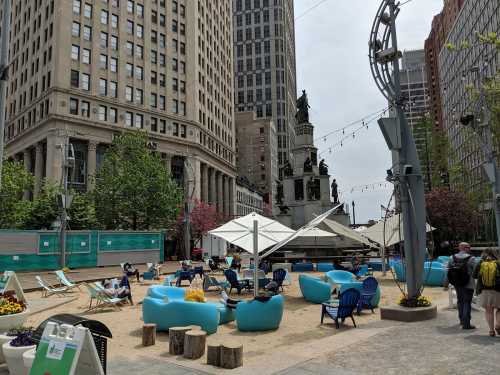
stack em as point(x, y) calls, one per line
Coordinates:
point(14, 211)
point(133, 188)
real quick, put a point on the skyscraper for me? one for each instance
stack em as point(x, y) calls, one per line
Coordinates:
point(84, 71)
point(264, 62)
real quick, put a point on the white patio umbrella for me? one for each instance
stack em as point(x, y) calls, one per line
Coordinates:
point(253, 233)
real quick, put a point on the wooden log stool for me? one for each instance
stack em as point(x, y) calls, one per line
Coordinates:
point(231, 356)
point(213, 354)
point(194, 344)
point(176, 338)
point(148, 334)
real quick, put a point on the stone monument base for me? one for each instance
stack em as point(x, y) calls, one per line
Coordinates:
point(406, 314)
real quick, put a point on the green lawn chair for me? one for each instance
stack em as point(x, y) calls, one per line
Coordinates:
point(48, 290)
point(63, 279)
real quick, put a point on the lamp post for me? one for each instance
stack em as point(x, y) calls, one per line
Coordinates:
point(4, 76)
point(384, 63)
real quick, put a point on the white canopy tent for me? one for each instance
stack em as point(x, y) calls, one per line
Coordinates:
point(347, 232)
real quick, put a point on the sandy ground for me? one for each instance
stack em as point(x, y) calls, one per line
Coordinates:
point(300, 324)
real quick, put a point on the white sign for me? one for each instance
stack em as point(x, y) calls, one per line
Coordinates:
point(56, 349)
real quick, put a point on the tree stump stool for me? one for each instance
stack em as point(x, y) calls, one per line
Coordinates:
point(148, 334)
point(231, 356)
point(194, 344)
point(213, 354)
point(176, 339)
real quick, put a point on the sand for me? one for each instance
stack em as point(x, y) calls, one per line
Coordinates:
point(300, 324)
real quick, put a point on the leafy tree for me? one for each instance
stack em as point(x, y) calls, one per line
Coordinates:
point(44, 210)
point(82, 212)
point(452, 213)
point(14, 211)
point(134, 189)
point(203, 218)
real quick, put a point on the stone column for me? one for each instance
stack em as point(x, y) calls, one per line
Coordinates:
point(53, 164)
point(194, 177)
point(27, 165)
point(91, 164)
point(168, 163)
point(220, 195)
point(38, 167)
point(213, 193)
point(232, 197)
point(204, 183)
point(225, 196)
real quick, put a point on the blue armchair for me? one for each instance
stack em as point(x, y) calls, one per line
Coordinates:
point(434, 273)
point(233, 281)
point(278, 277)
point(344, 279)
point(314, 289)
point(260, 316)
point(347, 302)
point(184, 275)
point(368, 295)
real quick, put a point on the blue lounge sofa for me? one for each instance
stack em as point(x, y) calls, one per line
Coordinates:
point(347, 280)
point(302, 267)
point(260, 316)
point(314, 289)
point(435, 273)
point(324, 267)
point(171, 292)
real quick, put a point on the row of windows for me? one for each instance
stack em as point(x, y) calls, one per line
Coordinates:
point(255, 3)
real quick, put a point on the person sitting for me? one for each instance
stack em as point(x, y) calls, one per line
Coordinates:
point(130, 271)
point(338, 265)
point(356, 264)
point(186, 265)
point(236, 263)
point(122, 291)
point(155, 270)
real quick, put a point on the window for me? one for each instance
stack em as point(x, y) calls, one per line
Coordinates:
point(130, 48)
point(139, 31)
point(130, 70)
point(183, 131)
point(85, 82)
point(175, 84)
point(113, 89)
point(75, 29)
point(175, 106)
point(112, 115)
point(139, 10)
point(85, 108)
point(130, 6)
point(103, 113)
point(139, 73)
point(163, 126)
point(113, 64)
point(154, 124)
point(77, 7)
point(73, 106)
point(139, 121)
point(86, 56)
point(114, 43)
point(175, 132)
point(103, 61)
point(75, 52)
point(153, 100)
point(114, 21)
point(139, 96)
point(128, 119)
point(139, 51)
point(104, 17)
point(75, 78)
point(174, 26)
point(163, 105)
point(87, 33)
point(104, 40)
point(129, 93)
point(87, 11)
point(103, 87)
point(130, 27)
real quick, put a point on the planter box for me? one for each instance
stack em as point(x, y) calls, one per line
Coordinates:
point(14, 358)
point(13, 321)
point(3, 339)
point(28, 358)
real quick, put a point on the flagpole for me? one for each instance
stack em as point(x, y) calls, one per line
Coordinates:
point(255, 256)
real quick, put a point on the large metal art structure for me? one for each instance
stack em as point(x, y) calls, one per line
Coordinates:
point(406, 171)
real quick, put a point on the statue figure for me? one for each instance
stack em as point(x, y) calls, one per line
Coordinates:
point(279, 194)
point(287, 169)
point(335, 192)
point(323, 168)
point(310, 189)
point(308, 167)
point(302, 115)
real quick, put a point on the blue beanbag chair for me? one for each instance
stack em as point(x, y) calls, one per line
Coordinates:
point(314, 289)
point(302, 267)
point(178, 313)
point(434, 273)
point(324, 267)
point(345, 279)
point(171, 292)
point(260, 316)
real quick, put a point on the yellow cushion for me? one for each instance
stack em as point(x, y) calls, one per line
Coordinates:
point(195, 295)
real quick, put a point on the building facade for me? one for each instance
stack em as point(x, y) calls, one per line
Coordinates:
point(457, 71)
point(264, 66)
point(257, 152)
point(441, 25)
point(248, 198)
point(84, 71)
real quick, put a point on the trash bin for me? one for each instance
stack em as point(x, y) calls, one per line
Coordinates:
point(100, 333)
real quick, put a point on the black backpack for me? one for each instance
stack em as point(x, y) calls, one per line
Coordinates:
point(458, 272)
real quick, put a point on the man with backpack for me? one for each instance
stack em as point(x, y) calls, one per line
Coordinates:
point(460, 270)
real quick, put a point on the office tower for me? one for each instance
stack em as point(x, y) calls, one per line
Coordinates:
point(264, 62)
point(84, 71)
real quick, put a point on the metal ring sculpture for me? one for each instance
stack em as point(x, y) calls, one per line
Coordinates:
point(381, 41)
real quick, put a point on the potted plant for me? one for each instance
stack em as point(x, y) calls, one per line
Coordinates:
point(13, 350)
point(13, 311)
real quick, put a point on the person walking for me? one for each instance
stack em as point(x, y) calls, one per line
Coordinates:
point(460, 271)
point(487, 273)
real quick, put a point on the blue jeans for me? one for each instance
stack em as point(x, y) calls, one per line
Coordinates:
point(464, 301)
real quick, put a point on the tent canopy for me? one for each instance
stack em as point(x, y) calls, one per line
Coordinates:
point(347, 232)
point(393, 228)
point(239, 232)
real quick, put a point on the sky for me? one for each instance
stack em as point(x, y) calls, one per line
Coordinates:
point(333, 67)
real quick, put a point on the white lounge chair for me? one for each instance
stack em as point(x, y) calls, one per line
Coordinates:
point(65, 281)
point(48, 290)
point(102, 299)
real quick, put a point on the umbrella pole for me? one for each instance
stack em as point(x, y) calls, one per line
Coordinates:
point(255, 256)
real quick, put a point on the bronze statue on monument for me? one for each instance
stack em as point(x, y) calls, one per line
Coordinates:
point(302, 115)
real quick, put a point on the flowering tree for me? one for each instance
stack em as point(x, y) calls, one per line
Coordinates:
point(203, 218)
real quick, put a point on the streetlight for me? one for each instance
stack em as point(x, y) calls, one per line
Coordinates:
point(384, 63)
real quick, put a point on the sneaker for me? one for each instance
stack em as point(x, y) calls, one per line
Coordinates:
point(470, 326)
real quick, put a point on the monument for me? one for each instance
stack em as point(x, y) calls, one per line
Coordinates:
point(305, 191)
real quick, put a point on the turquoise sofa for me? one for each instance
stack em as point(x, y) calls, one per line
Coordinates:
point(302, 267)
point(260, 316)
point(347, 280)
point(314, 289)
point(324, 267)
point(435, 273)
point(174, 294)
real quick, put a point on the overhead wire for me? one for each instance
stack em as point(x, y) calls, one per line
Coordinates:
point(310, 9)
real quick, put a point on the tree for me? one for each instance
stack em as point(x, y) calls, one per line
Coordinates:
point(134, 189)
point(203, 218)
point(14, 211)
point(452, 213)
point(82, 212)
point(44, 210)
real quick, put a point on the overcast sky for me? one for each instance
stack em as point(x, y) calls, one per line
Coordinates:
point(332, 65)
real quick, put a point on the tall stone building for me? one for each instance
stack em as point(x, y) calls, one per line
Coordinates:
point(264, 66)
point(84, 71)
point(457, 71)
point(441, 25)
point(256, 148)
